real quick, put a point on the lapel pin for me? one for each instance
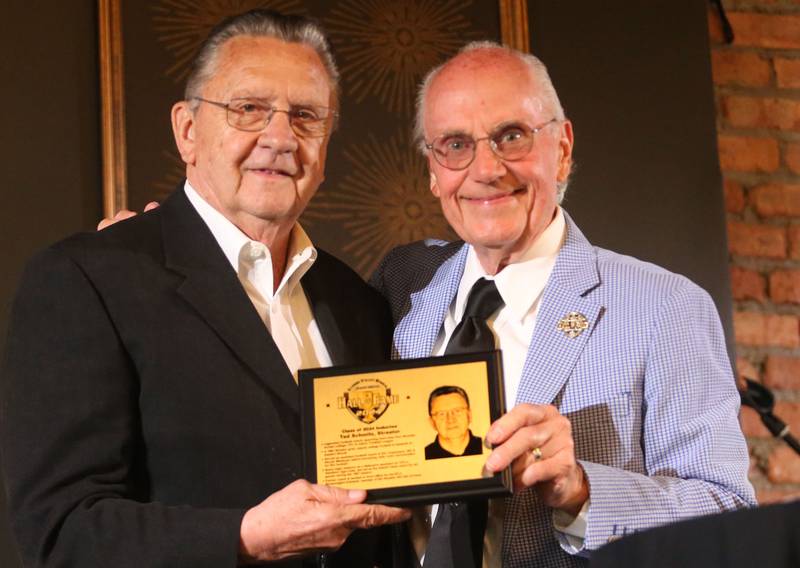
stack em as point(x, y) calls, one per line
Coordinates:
point(573, 324)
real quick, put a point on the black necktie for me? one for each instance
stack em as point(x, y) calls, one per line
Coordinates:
point(456, 538)
point(472, 333)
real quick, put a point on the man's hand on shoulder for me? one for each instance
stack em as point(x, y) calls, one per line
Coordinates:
point(303, 518)
point(122, 215)
point(537, 441)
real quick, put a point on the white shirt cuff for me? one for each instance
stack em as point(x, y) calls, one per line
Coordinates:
point(571, 531)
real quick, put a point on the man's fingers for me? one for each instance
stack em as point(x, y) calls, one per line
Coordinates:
point(124, 214)
point(521, 443)
point(369, 516)
point(520, 416)
point(548, 470)
point(120, 216)
point(337, 495)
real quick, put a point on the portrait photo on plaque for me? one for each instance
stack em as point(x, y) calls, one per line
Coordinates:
point(408, 432)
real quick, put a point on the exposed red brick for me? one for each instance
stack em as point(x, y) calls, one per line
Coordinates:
point(794, 242)
point(793, 157)
point(760, 112)
point(754, 470)
point(780, 31)
point(776, 199)
point(757, 329)
point(789, 412)
point(715, 34)
point(740, 68)
point(745, 369)
point(782, 373)
point(787, 73)
point(734, 196)
point(783, 465)
point(748, 154)
point(747, 284)
point(744, 5)
point(784, 286)
point(748, 239)
point(751, 424)
point(765, 495)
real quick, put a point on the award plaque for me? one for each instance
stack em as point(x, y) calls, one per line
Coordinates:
point(408, 432)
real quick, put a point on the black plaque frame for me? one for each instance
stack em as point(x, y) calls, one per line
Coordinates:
point(497, 485)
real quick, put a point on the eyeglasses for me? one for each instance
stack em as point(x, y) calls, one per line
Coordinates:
point(511, 141)
point(451, 413)
point(252, 115)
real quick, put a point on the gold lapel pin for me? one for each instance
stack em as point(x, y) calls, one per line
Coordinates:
point(573, 324)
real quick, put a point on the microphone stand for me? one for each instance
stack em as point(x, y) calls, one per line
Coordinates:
point(761, 399)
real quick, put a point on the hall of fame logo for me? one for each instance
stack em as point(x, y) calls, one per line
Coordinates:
point(367, 399)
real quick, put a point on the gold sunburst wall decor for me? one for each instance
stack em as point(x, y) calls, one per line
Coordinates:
point(176, 172)
point(383, 201)
point(385, 47)
point(182, 25)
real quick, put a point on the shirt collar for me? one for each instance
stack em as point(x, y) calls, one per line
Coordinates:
point(520, 283)
point(237, 246)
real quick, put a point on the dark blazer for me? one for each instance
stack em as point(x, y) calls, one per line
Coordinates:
point(145, 406)
point(435, 451)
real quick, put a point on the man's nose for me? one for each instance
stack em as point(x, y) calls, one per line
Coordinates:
point(278, 134)
point(487, 166)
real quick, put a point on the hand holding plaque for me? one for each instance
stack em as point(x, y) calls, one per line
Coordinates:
point(537, 441)
point(408, 432)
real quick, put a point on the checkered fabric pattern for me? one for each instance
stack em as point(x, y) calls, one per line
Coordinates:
point(647, 386)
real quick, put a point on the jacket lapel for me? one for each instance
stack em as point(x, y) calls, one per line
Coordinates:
point(212, 288)
point(415, 335)
point(553, 354)
point(330, 313)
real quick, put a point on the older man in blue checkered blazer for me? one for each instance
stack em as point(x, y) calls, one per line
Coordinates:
point(624, 407)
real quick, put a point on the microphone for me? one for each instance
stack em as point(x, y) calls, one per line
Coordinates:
point(760, 398)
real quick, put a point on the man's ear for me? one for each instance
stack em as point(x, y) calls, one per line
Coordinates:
point(434, 185)
point(183, 130)
point(565, 145)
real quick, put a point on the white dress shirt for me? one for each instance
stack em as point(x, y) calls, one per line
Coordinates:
point(285, 311)
point(521, 285)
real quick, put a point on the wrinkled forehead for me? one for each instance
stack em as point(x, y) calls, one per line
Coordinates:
point(475, 96)
point(266, 66)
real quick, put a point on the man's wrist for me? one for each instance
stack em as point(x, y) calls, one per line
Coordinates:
point(573, 505)
point(248, 537)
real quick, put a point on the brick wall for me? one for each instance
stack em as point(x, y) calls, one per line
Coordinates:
point(757, 89)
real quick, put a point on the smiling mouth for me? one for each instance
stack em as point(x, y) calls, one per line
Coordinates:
point(271, 172)
point(496, 197)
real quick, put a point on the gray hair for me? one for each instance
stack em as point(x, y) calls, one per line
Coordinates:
point(546, 91)
point(261, 23)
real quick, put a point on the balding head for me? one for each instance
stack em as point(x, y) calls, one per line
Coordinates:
point(480, 61)
point(500, 149)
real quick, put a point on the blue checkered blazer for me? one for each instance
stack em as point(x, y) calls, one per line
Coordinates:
point(648, 388)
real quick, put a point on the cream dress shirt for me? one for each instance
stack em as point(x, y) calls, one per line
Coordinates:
point(285, 311)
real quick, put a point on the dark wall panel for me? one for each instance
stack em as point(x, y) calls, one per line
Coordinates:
point(49, 142)
point(635, 79)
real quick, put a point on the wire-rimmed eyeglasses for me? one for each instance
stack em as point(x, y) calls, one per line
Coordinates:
point(450, 413)
point(510, 141)
point(252, 115)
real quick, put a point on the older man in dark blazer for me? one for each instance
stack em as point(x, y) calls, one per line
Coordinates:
point(149, 404)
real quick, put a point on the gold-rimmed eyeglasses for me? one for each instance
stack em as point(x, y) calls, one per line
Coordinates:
point(451, 413)
point(509, 141)
point(252, 115)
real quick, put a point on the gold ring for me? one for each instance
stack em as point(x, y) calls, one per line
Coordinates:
point(536, 453)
